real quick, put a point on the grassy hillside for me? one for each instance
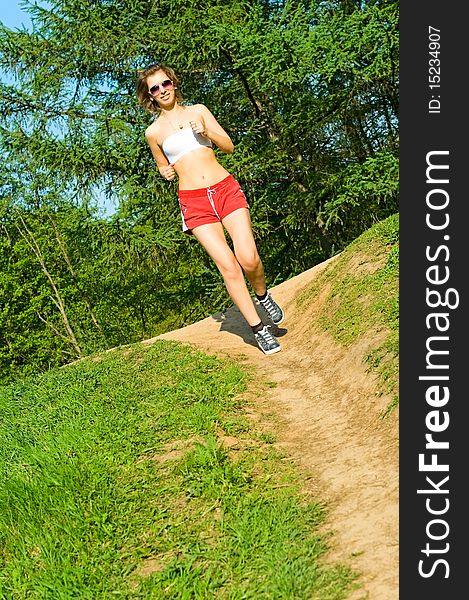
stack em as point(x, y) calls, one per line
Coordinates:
point(116, 483)
point(359, 298)
point(136, 474)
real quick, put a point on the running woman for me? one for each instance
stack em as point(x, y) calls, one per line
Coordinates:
point(181, 140)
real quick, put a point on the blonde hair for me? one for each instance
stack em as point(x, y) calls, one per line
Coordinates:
point(143, 96)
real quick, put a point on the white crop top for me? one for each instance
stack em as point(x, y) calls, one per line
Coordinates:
point(179, 143)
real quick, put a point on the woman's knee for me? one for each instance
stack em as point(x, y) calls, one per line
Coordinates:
point(230, 269)
point(249, 260)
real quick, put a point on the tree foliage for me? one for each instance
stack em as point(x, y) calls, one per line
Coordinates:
point(307, 90)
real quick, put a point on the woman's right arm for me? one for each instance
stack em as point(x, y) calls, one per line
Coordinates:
point(166, 170)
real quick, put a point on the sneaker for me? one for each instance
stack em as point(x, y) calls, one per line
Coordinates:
point(266, 341)
point(273, 310)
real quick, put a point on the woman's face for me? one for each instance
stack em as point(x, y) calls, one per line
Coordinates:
point(161, 88)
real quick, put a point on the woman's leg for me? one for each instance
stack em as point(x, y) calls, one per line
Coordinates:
point(212, 238)
point(238, 225)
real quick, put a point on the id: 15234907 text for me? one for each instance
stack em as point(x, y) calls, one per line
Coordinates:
point(434, 70)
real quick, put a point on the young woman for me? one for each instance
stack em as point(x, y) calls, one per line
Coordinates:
point(181, 140)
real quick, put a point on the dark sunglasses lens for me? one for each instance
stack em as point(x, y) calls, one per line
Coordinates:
point(165, 85)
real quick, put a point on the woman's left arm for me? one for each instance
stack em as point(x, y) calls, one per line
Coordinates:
point(209, 127)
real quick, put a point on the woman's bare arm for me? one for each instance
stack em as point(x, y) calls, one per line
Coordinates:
point(209, 127)
point(166, 170)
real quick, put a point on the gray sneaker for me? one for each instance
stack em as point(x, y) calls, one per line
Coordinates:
point(273, 310)
point(266, 341)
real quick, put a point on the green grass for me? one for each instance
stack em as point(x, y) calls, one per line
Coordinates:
point(114, 484)
point(363, 285)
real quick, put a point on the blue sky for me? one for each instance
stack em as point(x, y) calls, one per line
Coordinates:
point(12, 15)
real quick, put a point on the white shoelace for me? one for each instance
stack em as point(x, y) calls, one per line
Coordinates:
point(269, 305)
point(267, 335)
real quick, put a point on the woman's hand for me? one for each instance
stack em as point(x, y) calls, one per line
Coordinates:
point(198, 127)
point(168, 172)
point(206, 124)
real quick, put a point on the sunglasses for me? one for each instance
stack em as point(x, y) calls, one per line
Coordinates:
point(155, 90)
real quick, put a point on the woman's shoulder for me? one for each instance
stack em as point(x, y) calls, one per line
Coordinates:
point(152, 131)
point(195, 108)
point(200, 107)
point(189, 108)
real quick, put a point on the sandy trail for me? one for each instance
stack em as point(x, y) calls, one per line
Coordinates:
point(329, 415)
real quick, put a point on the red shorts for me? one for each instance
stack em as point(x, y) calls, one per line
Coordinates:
point(212, 204)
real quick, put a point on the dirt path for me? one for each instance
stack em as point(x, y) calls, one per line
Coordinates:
point(329, 412)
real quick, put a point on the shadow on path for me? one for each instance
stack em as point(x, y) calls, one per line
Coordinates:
point(232, 321)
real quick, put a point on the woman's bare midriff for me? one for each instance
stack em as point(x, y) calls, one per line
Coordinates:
point(199, 169)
